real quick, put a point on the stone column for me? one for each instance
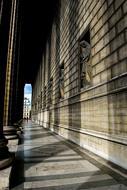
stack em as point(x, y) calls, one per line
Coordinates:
point(5, 11)
point(9, 67)
point(14, 70)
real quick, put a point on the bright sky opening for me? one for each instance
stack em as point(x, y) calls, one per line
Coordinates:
point(28, 91)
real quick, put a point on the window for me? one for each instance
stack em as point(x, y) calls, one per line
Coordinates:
point(85, 63)
point(41, 99)
point(51, 91)
point(61, 87)
point(44, 97)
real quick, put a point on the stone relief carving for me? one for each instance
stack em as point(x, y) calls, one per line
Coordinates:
point(85, 67)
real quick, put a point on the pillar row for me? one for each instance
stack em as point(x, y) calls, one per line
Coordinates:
point(7, 22)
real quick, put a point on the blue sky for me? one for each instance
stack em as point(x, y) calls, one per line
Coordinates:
point(28, 91)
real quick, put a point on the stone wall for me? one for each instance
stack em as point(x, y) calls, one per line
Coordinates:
point(94, 117)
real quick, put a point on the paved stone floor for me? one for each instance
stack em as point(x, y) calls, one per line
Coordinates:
point(46, 161)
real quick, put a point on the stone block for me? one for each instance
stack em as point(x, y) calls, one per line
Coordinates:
point(117, 42)
point(95, 59)
point(106, 75)
point(99, 46)
point(123, 52)
point(125, 7)
point(111, 59)
point(96, 79)
point(100, 67)
point(110, 12)
point(115, 18)
point(118, 3)
point(109, 36)
point(105, 52)
point(102, 10)
point(120, 25)
point(98, 25)
point(119, 68)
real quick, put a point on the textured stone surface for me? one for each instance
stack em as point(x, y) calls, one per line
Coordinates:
point(51, 162)
point(102, 108)
point(5, 173)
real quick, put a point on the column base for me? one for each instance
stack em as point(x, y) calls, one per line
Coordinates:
point(10, 132)
point(18, 128)
point(6, 158)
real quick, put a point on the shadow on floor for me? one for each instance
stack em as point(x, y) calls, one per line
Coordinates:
point(57, 164)
point(17, 173)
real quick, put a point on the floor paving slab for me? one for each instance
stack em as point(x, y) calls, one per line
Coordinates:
point(46, 161)
point(5, 173)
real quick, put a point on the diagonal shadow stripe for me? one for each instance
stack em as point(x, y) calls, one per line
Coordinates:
point(46, 156)
point(62, 176)
point(117, 176)
point(46, 161)
point(79, 186)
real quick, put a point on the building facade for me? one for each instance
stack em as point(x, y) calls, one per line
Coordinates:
point(27, 109)
point(80, 91)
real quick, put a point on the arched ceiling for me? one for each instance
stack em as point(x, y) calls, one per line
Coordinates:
point(36, 19)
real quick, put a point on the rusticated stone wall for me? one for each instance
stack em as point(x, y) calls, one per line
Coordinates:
point(94, 117)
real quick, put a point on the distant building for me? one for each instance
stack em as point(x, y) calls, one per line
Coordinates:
point(27, 108)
